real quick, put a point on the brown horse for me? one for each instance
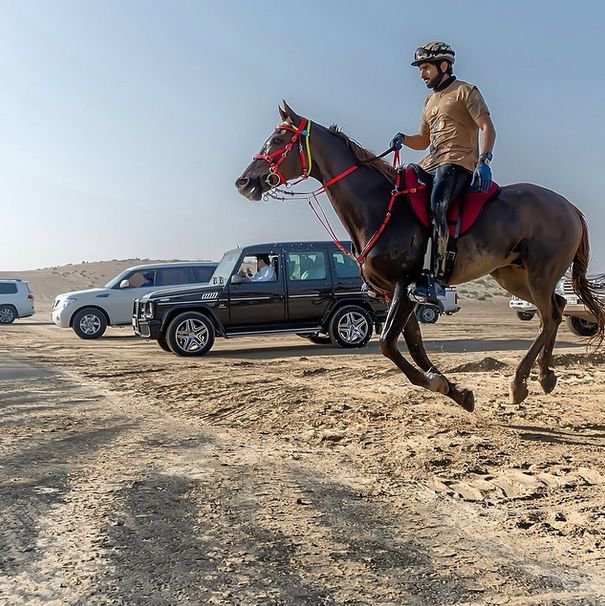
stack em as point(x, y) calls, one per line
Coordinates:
point(526, 238)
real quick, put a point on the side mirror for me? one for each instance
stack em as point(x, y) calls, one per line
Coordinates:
point(125, 284)
point(237, 279)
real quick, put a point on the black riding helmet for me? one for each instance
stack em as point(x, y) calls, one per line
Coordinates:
point(434, 52)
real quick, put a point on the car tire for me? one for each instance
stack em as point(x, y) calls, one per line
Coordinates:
point(164, 344)
point(89, 323)
point(8, 314)
point(427, 314)
point(581, 327)
point(526, 316)
point(316, 338)
point(350, 327)
point(190, 334)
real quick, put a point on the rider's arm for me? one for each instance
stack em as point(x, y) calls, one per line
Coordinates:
point(419, 141)
point(488, 133)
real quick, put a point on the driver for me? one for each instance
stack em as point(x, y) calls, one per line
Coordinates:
point(265, 272)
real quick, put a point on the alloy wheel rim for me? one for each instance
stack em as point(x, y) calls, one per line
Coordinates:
point(6, 315)
point(191, 335)
point(353, 327)
point(90, 324)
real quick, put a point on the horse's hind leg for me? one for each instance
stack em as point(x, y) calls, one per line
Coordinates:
point(413, 339)
point(547, 376)
point(550, 316)
point(518, 281)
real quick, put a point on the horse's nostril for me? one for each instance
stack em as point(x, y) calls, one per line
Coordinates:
point(242, 182)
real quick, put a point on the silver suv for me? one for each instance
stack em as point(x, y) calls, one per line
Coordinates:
point(16, 300)
point(89, 312)
point(580, 320)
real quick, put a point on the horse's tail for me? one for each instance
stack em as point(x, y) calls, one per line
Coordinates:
point(585, 289)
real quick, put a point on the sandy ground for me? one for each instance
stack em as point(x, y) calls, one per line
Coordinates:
point(277, 472)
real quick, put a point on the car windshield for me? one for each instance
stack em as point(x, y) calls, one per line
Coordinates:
point(116, 281)
point(225, 267)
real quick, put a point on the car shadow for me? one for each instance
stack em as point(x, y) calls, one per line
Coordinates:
point(373, 348)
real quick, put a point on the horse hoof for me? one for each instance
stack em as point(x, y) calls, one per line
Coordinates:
point(548, 381)
point(468, 400)
point(518, 393)
point(464, 398)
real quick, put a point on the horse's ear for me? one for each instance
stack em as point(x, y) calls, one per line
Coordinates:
point(283, 113)
point(287, 113)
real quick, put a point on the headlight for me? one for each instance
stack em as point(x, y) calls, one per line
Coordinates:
point(148, 309)
point(63, 303)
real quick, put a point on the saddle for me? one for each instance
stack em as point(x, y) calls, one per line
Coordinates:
point(462, 212)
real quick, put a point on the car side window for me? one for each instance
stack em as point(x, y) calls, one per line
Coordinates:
point(141, 279)
point(305, 265)
point(171, 276)
point(199, 275)
point(345, 266)
point(261, 267)
point(8, 288)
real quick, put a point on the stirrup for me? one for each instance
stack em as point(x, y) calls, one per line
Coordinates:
point(426, 293)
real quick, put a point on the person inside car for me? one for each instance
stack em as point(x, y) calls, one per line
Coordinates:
point(265, 272)
point(147, 279)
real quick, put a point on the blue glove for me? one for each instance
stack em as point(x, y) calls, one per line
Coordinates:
point(482, 177)
point(397, 141)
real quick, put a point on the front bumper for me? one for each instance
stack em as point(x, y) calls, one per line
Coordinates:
point(61, 317)
point(142, 324)
point(579, 310)
point(148, 329)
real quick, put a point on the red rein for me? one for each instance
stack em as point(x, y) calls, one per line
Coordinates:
point(275, 159)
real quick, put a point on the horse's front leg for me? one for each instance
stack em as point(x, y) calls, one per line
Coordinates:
point(399, 312)
point(413, 339)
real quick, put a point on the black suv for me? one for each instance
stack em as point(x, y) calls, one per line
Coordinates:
point(309, 288)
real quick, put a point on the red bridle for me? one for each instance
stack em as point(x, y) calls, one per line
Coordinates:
point(304, 130)
point(305, 162)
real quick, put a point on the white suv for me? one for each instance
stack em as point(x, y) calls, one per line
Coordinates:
point(16, 300)
point(526, 310)
point(90, 312)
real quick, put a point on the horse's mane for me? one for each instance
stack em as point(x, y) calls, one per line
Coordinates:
point(363, 155)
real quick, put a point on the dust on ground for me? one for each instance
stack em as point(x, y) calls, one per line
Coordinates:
point(275, 472)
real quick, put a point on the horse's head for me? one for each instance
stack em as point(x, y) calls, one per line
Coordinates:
point(283, 157)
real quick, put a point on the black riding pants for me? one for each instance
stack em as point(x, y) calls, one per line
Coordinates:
point(449, 181)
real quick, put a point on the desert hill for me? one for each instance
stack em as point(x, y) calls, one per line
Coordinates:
point(48, 282)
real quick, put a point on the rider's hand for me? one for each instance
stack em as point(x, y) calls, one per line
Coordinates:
point(397, 141)
point(482, 177)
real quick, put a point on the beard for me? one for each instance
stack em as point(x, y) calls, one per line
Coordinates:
point(433, 82)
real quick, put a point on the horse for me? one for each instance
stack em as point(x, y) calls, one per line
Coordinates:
point(526, 237)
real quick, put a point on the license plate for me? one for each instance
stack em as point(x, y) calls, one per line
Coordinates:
point(572, 300)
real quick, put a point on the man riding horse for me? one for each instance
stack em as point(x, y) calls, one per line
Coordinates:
point(452, 117)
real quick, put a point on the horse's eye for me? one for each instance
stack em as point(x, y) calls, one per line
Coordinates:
point(276, 141)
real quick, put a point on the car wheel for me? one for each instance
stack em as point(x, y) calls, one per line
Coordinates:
point(190, 334)
point(581, 327)
point(163, 343)
point(350, 327)
point(8, 314)
point(89, 323)
point(427, 314)
point(525, 315)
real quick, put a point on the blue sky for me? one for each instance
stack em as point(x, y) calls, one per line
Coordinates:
point(124, 123)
